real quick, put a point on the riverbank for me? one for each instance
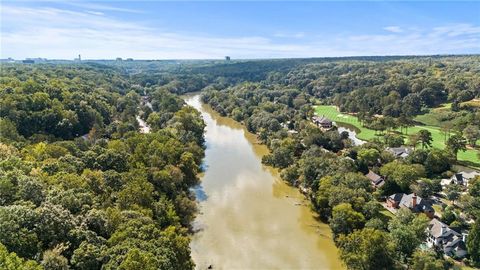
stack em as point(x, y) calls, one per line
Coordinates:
point(250, 218)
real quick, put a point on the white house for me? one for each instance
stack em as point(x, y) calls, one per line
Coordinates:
point(460, 178)
point(449, 241)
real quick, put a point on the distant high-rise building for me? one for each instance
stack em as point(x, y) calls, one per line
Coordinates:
point(227, 58)
point(78, 59)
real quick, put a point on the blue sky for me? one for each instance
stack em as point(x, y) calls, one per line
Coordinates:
point(199, 30)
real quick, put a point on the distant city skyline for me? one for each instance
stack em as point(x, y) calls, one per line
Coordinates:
point(241, 30)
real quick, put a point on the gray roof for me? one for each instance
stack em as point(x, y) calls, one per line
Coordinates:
point(469, 175)
point(406, 200)
point(461, 178)
point(451, 241)
point(322, 120)
point(435, 228)
point(399, 151)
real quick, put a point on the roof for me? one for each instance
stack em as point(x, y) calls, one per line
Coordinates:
point(435, 228)
point(376, 179)
point(322, 120)
point(460, 178)
point(399, 151)
point(456, 246)
point(469, 175)
point(451, 240)
point(406, 200)
point(396, 197)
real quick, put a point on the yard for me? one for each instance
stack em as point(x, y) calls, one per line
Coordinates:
point(364, 133)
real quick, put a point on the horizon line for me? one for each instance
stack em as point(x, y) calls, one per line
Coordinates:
point(246, 59)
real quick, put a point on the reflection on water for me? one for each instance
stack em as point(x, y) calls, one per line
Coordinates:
point(352, 135)
point(250, 218)
point(200, 193)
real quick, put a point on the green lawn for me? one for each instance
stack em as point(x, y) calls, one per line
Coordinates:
point(368, 134)
point(387, 215)
point(431, 118)
point(438, 210)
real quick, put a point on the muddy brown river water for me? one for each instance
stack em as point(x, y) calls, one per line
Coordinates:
point(248, 217)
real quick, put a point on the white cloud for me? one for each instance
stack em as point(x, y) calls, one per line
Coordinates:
point(455, 30)
point(289, 35)
point(93, 6)
point(393, 29)
point(64, 33)
point(95, 12)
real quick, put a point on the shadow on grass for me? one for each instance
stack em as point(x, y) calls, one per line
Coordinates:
point(470, 164)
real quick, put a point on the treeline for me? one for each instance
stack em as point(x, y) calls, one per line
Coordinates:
point(112, 199)
point(396, 87)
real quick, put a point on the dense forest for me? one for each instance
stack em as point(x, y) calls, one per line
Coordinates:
point(81, 187)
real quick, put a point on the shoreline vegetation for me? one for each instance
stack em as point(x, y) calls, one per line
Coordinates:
point(114, 198)
point(280, 199)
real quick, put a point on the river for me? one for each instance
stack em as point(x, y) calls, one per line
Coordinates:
point(248, 217)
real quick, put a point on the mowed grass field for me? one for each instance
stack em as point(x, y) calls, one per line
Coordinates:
point(368, 134)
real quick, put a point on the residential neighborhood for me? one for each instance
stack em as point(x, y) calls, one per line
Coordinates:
point(441, 195)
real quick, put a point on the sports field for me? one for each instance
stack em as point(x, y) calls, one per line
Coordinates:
point(368, 134)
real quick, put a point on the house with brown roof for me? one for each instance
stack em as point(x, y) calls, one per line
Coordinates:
point(376, 180)
point(411, 201)
point(322, 121)
point(442, 237)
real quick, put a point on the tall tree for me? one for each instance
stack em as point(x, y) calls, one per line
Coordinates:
point(413, 140)
point(425, 138)
point(456, 143)
point(472, 134)
point(453, 192)
point(367, 249)
point(408, 232)
point(473, 243)
point(426, 260)
point(344, 219)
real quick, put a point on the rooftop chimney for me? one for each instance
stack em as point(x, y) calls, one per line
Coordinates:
point(414, 200)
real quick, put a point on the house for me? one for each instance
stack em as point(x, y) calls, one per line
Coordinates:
point(322, 122)
point(399, 152)
point(442, 237)
point(377, 180)
point(411, 201)
point(460, 178)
